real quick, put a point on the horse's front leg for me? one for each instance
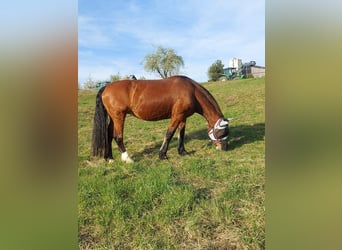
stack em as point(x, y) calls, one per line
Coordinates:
point(181, 129)
point(169, 134)
point(118, 137)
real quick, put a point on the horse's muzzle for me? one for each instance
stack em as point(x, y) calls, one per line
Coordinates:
point(221, 145)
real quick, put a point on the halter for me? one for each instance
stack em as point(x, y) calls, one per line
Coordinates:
point(220, 124)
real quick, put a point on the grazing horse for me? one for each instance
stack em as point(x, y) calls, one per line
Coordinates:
point(175, 98)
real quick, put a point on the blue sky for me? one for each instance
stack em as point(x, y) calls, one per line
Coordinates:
point(114, 36)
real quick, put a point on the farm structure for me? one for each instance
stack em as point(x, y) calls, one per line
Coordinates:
point(258, 71)
point(238, 70)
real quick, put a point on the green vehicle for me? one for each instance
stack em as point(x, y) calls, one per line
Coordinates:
point(99, 85)
point(231, 74)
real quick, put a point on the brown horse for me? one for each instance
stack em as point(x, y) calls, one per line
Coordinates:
point(176, 97)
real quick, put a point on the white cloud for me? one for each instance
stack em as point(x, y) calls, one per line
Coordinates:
point(91, 34)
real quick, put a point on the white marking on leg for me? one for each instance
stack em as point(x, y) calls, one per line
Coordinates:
point(163, 144)
point(126, 158)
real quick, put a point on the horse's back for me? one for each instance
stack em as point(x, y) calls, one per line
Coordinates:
point(171, 87)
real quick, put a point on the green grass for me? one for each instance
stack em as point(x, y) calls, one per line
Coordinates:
point(205, 200)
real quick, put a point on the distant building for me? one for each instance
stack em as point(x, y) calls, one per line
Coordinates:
point(235, 63)
point(258, 71)
point(245, 69)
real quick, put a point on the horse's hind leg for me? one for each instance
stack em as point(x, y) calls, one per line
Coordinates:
point(181, 128)
point(118, 137)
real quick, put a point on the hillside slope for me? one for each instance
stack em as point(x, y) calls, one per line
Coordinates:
point(205, 200)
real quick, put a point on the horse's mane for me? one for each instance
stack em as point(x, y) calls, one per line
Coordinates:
point(209, 96)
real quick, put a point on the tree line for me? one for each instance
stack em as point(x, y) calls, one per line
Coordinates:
point(165, 62)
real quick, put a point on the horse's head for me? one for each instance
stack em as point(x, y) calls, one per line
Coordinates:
point(219, 133)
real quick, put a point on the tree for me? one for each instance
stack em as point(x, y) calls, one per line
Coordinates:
point(215, 70)
point(89, 84)
point(164, 61)
point(114, 78)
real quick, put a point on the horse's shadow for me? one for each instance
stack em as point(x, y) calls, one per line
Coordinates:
point(245, 134)
point(238, 136)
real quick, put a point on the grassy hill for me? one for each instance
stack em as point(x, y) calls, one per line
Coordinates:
point(205, 200)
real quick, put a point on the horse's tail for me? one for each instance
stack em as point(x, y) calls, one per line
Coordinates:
point(100, 130)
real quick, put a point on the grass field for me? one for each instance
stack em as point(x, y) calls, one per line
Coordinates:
point(205, 200)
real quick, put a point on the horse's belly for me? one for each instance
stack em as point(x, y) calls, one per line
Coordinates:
point(152, 113)
point(162, 104)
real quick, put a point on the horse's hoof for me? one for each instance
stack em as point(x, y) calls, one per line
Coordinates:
point(126, 158)
point(163, 157)
point(129, 160)
point(110, 160)
point(183, 152)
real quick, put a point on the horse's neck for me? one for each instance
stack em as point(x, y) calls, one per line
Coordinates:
point(211, 117)
point(209, 108)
